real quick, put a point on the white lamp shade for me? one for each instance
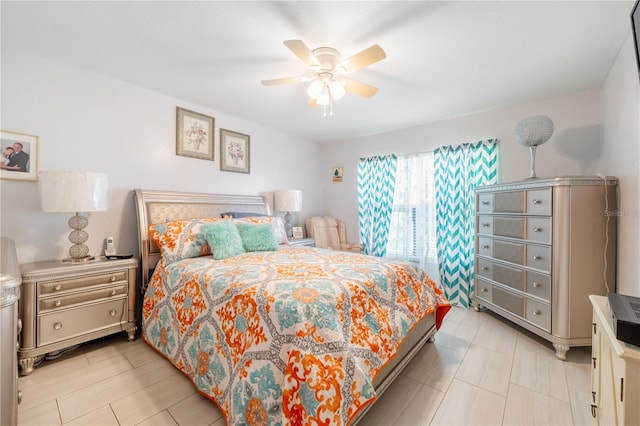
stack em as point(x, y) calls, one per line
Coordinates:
point(288, 200)
point(72, 191)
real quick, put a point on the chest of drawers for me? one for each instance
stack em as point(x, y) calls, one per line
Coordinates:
point(65, 304)
point(542, 247)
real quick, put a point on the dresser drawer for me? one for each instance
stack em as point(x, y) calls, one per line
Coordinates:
point(539, 285)
point(68, 323)
point(66, 285)
point(539, 229)
point(483, 290)
point(507, 300)
point(509, 202)
point(485, 203)
point(484, 268)
point(484, 225)
point(539, 314)
point(485, 246)
point(539, 257)
point(539, 202)
point(69, 300)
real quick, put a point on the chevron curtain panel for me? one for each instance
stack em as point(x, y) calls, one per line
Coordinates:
point(458, 171)
point(376, 181)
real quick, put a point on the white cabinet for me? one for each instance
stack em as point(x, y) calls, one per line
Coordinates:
point(541, 248)
point(615, 374)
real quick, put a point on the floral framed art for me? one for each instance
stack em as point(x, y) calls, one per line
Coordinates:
point(19, 156)
point(194, 134)
point(234, 151)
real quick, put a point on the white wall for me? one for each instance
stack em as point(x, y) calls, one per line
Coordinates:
point(621, 135)
point(87, 121)
point(574, 149)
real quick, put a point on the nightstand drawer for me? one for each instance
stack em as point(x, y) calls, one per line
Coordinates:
point(56, 303)
point(46, 288)
point(79, 321)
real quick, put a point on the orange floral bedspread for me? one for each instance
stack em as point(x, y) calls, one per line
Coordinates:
point(291, 337)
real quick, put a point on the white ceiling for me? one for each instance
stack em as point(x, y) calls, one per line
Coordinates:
point(444, 59)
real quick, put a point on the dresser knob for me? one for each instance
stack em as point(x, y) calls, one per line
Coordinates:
point(484, 290)
point(536, 285)
point(112, 313)
point(536, 257)
point(113, 292)
point(537, 229)
point(57, 287)
point(113, 279)
point(485, 246)
point(486, 225)
point(485, 268)
point(58, 303)
point(57, 326)
point(485, 203)
point(536, 312)
point(536, 201)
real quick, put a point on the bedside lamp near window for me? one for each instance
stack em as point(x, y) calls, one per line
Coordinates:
point(288, 200)
point(74, 192)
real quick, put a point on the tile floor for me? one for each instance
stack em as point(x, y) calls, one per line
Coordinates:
point(480, 370)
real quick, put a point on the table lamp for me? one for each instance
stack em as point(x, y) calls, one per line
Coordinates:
point(288, 200)
point(74, 192)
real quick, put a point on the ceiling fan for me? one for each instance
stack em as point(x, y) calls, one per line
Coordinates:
point(327, 85)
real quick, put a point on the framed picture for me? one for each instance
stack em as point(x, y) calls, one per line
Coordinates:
point(194, 134)
point(19, 156)
point(297, 232)
point(234, 151)
point(337, 174)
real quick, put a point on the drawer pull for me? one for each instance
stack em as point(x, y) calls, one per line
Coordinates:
point(537, 257)
point(537, 229)
point(485, 203)
point(593, 410)
point(57, 303)
point(485, 268)
point(485, 246)
point(57, 287)
point(536, 285)
point(536, 312)
point(113, 279)
point(486, 225)
point(112, 313)
point(536, 201)
point(57, 326)
point(484, 290)
point(114, 292)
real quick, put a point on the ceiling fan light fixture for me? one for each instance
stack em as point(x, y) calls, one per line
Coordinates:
point(337, 90)
point(316, 88)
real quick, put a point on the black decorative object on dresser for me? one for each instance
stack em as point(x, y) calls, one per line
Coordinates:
point(542, 247)
point(65, 304)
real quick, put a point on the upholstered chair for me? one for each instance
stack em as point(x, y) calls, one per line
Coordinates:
point(329, 232)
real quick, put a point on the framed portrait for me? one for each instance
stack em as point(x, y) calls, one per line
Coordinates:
point(336, 174)
point(235, 151)
point(297, 232)
point(194, 134)
point(19, 156)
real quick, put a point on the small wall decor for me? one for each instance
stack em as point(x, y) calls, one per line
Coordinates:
point(19, 156)
point(194, 134)
point(337, 174)
point(235, 151)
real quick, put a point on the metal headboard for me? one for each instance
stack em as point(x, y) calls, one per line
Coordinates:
point(162, 206)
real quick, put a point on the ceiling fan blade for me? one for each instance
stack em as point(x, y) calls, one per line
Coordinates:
point(302, 51)
point(287, 80)
point(359, 88)
point(362, 59)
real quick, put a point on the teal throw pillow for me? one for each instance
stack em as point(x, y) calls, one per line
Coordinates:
point(257, 236)
point(223, 238)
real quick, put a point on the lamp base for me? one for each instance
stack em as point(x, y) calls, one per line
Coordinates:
point(84, 259)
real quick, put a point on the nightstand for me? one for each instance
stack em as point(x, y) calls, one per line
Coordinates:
point(303, 242)
point(64, 304)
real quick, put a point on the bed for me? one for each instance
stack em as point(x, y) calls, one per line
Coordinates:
point(291, 335)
